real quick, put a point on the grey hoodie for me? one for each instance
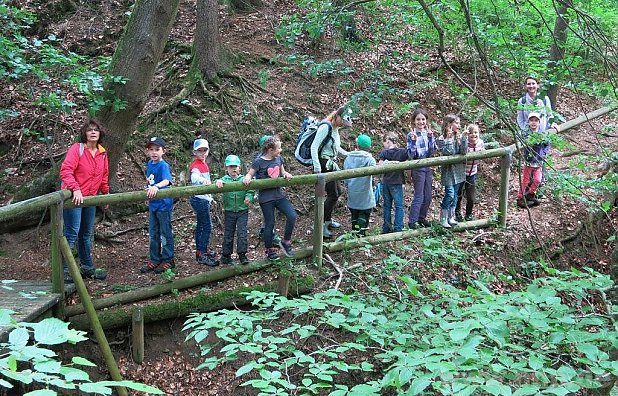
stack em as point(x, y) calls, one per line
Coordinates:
point(360, 189)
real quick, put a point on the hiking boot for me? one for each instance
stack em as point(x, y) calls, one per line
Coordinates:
point(459, 217)
point(424, 223)
point(333, 224)
point(413, 226)
point(287, 248)
point(242, 257)
point(148, 267)
point(164, 266)
point(209, 259)
point(521, 203)
point(226, 260)
point(271, 254)
point(532, 200)
point(94, 273)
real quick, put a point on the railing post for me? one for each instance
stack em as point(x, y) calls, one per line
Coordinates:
point(56, 226)
point(320, 197)
point(505, 174)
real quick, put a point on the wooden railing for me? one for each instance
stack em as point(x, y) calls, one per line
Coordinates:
point(58, 200)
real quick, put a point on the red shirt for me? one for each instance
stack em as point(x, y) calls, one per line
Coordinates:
point(84, 172)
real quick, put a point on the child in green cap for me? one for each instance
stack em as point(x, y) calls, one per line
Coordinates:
point(361, 199)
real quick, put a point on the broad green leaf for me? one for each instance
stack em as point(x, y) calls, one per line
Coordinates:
point(419, 385)
point(82, 361)
point(18, 338)
point(48, 366)
point(5, 316)
point(41, 392)
point(50, 331)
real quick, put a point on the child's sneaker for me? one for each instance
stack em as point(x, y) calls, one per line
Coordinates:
point(287, 248)
point(164, 266)
point(271, 254)
point(242, 257)
point(226, 260)
point(94, 273)
point(148, 267)
point(276, 239)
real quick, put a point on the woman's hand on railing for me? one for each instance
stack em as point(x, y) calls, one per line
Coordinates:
point(247, 180)
point(219, 183)
point(78, 198)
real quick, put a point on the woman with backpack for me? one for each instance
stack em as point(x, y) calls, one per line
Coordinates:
point(324, 150)
point(85, 172)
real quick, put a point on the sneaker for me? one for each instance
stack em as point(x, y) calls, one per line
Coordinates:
point(424, 223)
point(226, 260)
point(287, 248)
point(94, 273)
point(242, 257)
point(68, 279)
point(459, 217)
point(164, 266)
point(276, 239)
point(521, 203)
point(334, 224)
point(271, 254)
point(413, 226)
point(209, 259)
point(469, 217)
point(148, 267)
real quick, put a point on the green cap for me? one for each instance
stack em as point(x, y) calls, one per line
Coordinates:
point(232, 160)
point(262, 140)
point(363, 141)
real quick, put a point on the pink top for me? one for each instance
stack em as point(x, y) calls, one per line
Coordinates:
point(81, 171)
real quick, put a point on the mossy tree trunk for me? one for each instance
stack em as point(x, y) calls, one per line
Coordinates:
point(207, 40)
point(135, 59)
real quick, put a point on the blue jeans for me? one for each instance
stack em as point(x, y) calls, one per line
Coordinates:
point(392, 193)
point(78, 227)
point(161, 238)
point(268, 210)
point(204, 223)
point(450, 196)
point(421, 179)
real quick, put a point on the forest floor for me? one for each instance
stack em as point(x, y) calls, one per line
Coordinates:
point(169, 360)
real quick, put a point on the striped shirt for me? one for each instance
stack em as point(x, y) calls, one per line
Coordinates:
point(472, 166)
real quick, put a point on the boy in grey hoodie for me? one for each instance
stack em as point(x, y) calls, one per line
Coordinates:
point(361, 199)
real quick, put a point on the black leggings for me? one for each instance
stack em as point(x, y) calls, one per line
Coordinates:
point(469, 189)
point(333, 191)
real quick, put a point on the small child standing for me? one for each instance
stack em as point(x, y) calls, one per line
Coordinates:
point(452, 175)
point(159, 177)
point(392, 183)
point(236, 213)
point(534, 153)
point(200, 176)
point(475, 143)
point(270, 165)
point(361, 199)
point(421, 144)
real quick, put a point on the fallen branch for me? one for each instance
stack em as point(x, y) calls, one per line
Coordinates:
point(337, 268)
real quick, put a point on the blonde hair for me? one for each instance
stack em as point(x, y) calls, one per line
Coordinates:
point(473, 127)
point(270, 143)
point(392, 136)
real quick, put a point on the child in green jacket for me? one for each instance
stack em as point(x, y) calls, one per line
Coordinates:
point(236, 213)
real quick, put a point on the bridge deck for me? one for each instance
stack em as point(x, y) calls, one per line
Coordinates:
point(28, 299)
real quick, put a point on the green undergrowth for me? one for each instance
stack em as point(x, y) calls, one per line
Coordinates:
point(550, 337)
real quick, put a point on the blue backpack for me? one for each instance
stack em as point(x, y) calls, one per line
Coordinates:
point(308, 130)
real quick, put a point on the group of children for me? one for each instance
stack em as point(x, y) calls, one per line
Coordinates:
point(458, 179)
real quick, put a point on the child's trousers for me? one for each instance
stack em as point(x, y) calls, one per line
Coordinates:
point(235, 223)
point(530, 172)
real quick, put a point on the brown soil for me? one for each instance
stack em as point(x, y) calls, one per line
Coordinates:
point(169, 360)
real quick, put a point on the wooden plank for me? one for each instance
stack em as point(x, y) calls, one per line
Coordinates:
point(28, 299)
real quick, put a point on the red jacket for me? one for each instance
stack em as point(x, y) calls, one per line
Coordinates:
point(85, 172)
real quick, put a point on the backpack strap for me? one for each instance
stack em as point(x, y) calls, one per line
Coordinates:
point(328, 135)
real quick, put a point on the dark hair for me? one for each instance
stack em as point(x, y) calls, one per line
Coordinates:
point(418, 111)
point(532, 78)
point(83, 138)
point(448, 120)
point(270, 143)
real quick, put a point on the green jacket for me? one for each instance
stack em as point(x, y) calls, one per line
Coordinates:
point(234, 201)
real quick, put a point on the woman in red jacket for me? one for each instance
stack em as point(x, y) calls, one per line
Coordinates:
point(85, 172)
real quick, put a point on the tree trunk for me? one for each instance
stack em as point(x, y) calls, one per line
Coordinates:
point(135, 59)
point(556, 52)
point(207, 40)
